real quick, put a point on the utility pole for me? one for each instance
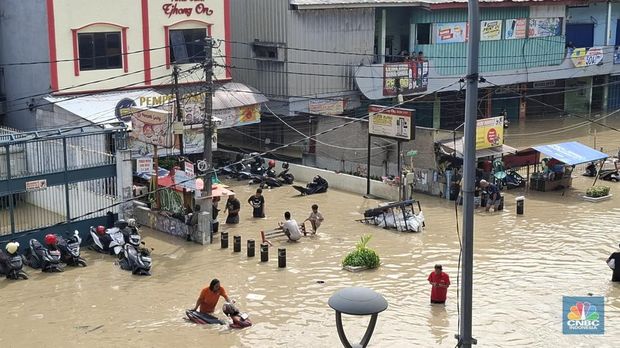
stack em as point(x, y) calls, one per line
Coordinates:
point(179, 112)
point(207, 130)
point(464, 337)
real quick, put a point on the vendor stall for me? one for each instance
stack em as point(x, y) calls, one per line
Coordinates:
point(555, 172)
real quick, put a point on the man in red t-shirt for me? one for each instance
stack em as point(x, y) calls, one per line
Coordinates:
point(440, 282)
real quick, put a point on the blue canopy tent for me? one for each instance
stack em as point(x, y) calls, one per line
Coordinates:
point(571, 153)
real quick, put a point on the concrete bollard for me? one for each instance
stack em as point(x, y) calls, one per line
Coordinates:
point(251, 247)
point(224, 240)
point(237, 244)
point(281, 258)
point(264, 252)
point(520, 204)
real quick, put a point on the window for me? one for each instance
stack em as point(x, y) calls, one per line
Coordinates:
point(100, 51)
point(187, 45)
point(268, 51)
point(423, 33)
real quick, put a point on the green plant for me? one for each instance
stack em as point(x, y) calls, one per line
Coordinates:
point(362, 255)
point(597, 191)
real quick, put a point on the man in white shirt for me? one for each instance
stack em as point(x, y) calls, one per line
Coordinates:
point(290, 228)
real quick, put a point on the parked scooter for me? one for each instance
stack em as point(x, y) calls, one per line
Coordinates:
point(111, 240)
point(11, 263)
point(46, 258)
point(136, 258)
point(238, 319)
point(70, 250)
point(284, 176)
point(318, 185)
point(513, 179)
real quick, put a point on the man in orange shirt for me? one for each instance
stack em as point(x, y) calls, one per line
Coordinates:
point(210, 296)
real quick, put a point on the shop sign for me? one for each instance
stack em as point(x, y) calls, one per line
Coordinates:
point(391, 122)
point(543, 84)
point(122, 111)
point(326, 106)
point(541, 27)
point(491, 30)
point(405, 78)
point(193, 142)
point(587, 57)
point(189, 169)
point(151, 126)
point(489, 132)
point(238, 116)
point(450, 32)
point(144, 165)
point(516, 28)
point(36, 185)
point(616, 56)
point(183, 8)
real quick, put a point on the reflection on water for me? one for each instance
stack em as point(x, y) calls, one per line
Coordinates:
point(523, 267)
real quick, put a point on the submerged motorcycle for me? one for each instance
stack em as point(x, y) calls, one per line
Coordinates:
point(237, 319)
point(45, 258)
point(70, 250)
point(111, 240)
point(135, 257)
point(11, 263)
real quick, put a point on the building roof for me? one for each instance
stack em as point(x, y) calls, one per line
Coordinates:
point(322, 4)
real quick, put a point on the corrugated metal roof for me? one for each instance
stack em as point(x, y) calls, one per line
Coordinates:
point(234, 95)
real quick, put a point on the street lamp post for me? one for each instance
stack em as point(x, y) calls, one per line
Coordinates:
point(357, 301)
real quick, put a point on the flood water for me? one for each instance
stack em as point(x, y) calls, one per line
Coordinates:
point(523, 267)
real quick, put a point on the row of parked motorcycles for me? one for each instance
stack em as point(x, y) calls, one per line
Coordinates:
point(124, 241)
point(50, 256)
point(252, 168)
point(56, 252)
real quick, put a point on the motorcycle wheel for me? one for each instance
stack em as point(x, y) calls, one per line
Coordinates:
point(81, 262)
point(22, 275)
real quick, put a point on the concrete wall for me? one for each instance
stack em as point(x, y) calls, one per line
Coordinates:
point(586, 15)
point(147, 217)
point(23, 38)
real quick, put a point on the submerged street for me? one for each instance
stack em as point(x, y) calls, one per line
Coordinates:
point(523, 266)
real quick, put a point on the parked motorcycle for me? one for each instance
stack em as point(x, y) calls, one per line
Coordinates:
point(46, 258)
point(284, 176)
point(318, 185)
point(111, 240)
point(70, 250)
point(11, 263)
point(135, 257)
point(513, 179)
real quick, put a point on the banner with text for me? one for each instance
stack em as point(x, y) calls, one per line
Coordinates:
point(516, 28)
point(491, 30)
point(489, 132)
point(450, 32)
point(586, 57)
point(151, 126)
point(404, 78)
point(541, 27)
point(392, 123)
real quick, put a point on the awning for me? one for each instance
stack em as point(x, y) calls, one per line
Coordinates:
point(235, 95)
point(452, 146)
point(571, 153)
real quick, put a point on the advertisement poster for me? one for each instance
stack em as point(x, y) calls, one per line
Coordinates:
point(151, 126)
point(193, 142)
point(516, 28)
point(616, 56)
point(450, 32)
point(238, 116)
point(392, 123)
point(326, 106)
point(489, 132)
point(491, 30)
point(404, 78)
point(541, 27)
point(582, 57)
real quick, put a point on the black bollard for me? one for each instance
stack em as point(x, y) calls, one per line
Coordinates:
point(237, 244)
point(264, 252)
point(251, 247)
point(281, 258)
point(224, 240)
point(520, 204)
point(501, 203)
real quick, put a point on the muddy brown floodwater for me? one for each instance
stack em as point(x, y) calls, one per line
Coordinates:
point(523, 267)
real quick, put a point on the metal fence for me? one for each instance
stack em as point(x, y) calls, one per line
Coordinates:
point(57, 176)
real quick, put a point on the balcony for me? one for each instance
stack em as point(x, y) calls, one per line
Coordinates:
point(378, 81)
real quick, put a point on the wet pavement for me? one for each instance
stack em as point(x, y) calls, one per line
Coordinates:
point(523, 267)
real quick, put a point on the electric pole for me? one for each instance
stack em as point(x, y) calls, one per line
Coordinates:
point(464, 337)
point(207, 130)
point(179, 112)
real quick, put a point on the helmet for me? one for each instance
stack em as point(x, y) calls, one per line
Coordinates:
point(131, 222)
point(51, 239)
point(12, 247)
point(100, 230)
point(284, 165)
point(271, 163)
point(121, 224)
point(230, 309)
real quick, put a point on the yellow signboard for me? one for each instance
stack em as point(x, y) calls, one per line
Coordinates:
point(489, 132)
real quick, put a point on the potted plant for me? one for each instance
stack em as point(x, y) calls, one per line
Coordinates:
point(362, 257)
point(597, 193)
